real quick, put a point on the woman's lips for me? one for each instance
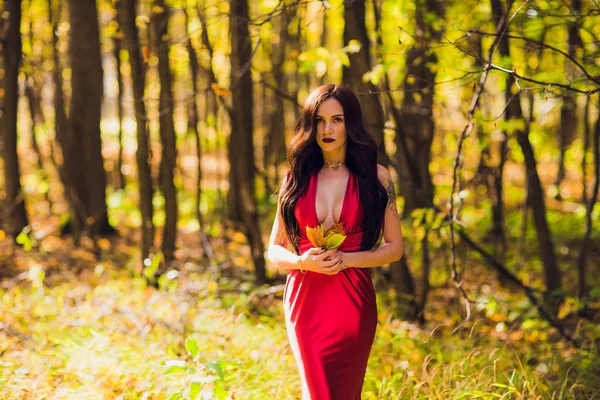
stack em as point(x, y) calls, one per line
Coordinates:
point(328, 140)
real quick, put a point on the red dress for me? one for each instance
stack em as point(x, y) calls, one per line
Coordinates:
point(331, 319)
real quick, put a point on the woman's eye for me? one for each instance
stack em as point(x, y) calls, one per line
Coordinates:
point(319, 121)
point(338, 120)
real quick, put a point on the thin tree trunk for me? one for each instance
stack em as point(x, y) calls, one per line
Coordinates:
point(568, 112)
point(160, 24)
point(117, 42)
point(241, 149)
point(32, 101)
point(127, 15)
point(194, 119)
point(360, 63)
point(586, 145)
point(275, 149)
point(552, 274)
point(402, 279)
point(14, 203)
point(89, 176)
point(324, 33)
point(582, 288)
point(61, 129)
point(415, 128)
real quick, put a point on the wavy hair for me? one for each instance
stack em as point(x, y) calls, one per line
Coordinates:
point(306, 158)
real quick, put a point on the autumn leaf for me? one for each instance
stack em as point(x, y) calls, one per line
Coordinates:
point(332, 239)
point(146, 53)
point(336, 228)
point(219, 91)
point(316, 235)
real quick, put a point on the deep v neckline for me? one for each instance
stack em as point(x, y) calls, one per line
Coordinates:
point(343, 201)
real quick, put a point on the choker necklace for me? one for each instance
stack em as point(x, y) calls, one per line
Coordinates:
point(334, 165)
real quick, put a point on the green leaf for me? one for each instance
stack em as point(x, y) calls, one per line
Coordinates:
point(177, 366)
point(176, 396)
point(24, 239)
point(220, 391)
point(191, 346)
point(335, 240)
point(215, 366)
point(195, 388)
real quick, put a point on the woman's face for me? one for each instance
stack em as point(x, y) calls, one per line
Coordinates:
point(331, 126)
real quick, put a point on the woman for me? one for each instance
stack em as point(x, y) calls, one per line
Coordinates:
point(329, 301)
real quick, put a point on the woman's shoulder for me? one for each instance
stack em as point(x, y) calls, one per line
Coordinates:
point(383, 174)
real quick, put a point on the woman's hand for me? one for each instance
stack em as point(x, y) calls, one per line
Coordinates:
point(322, 261)
point(338, 267)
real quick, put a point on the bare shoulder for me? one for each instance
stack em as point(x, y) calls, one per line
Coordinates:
point(383, 175)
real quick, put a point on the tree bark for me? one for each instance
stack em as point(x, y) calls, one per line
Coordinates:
point(118, 45)
point(160, 23)
point(402, 279)
point(582, 290)
point(552, 274)
point(194, 118)
point(275, 148)
point(360, 63)
point(415, 126)
point(87, 173)
point(127, 14)
point(568, 112)
point(242, 202)
point(61, 128)
point(14, 204)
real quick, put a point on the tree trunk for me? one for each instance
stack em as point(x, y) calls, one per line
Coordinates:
point(568, 112)
point(160, 23)
point(61, 128)
point(242, 203)
point(194, 119)
point(402, 279)
point(33, 100)
point(360, 63)
point(275, 148)
point(415, 127)
point(118, 45)
point(582, 287)
point(15, 215)
point(127, 15)
point(88, 174)
point(552, 275)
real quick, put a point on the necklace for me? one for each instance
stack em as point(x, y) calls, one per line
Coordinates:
point(334, 165)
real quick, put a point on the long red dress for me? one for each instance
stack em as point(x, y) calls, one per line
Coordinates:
point(331, 319)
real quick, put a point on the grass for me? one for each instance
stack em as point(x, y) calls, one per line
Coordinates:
point(105, 334)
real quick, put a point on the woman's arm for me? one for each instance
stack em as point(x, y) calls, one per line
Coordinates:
point(393, 247)
point(277, 252)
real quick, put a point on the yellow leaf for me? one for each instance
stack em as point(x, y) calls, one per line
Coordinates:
point(335, 240)
point(2, 235)
point(104, 244)
point(219, 91)
point(316, 235)
point(146, 53)
point(158, 9)
point(337, 228)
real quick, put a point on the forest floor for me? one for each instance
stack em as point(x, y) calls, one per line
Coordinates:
point(75, 327)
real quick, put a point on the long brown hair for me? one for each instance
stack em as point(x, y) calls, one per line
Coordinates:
point(306, 158)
